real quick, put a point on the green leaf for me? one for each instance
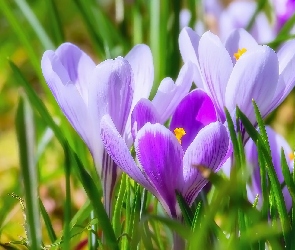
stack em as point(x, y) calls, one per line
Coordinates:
point(24, 38)
point(275, 185)
point(287, 175)
point(67, 204)
point(119, 206)
point(174, 225)
point(36, 102)
point(185, 209)
point(35, 24)
point(95, 198)
point(26, 141)
point(196, 218)
point(56, 24)
point(233, 137)
point(47, 221)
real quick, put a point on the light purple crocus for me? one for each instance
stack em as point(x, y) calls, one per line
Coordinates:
point(85, 92)
point(166, 163)
point(240, 70)
point(276, 142)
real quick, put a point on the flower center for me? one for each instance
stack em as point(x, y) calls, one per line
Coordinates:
point(239, 53)
point(291, 156)
point(179, 133)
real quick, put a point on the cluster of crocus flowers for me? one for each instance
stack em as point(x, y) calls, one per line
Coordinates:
point(108, 106)
point(238, 71)
point(86, 92)
point(167, 158)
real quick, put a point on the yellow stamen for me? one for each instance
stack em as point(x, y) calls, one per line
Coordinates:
point(179, 133)
point(239, 53)
point(291, 156)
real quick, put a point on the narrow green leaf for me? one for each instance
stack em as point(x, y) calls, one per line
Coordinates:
point(119, 205)
point(67, 204)
point(135, 236)
point(92, 238)
point(36, 102)
point(287, 175)
point(261, 127)
point(26, 142)
point(174, 225)
point(47, 221)
point(185, 209)
point(233, 137)
point(264, 181)
point(196, 218)
point(23, 37)
point(35, 24)
point(275, 185)
point(95, 198)
point(56, 24)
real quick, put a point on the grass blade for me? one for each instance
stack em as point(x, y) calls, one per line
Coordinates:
point(98, 208)
point(26, 142)
point(47, 221)
point(35, 24)
point(56, 24)
point(35, 101)
point(23, 37)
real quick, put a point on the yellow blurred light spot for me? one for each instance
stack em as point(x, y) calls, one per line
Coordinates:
point(239, 53)
point(179, 133)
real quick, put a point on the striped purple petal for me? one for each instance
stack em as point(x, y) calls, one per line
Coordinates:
point(160, 156)
point(211, 148)
point(195, 111)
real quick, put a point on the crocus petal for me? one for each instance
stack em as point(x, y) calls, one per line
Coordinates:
point(286, 82)
point(216, 66)
point(116, 147)
point(254, 76)
point(195, 111)
point(143, 112)
point(188, 46)
point(160, 156)
point(78, 65)
point(111, 91)
point(210, 148)
point(141, 60)
point(66, 95)
point(239, 39)
point(169, 95)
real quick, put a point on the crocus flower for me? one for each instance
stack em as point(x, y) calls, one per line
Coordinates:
point(85, 92)
point(276, 142)
point(240, 70)
point(166, 158)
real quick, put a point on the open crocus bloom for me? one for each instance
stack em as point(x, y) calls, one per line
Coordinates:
point(166, 158)
point(276, 142)
point(240, 70)
point(85, 92)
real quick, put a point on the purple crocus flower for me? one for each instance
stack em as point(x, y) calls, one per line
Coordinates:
point(166, 158)
point(85, 92)
point(240, 70)
point(276, 142)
